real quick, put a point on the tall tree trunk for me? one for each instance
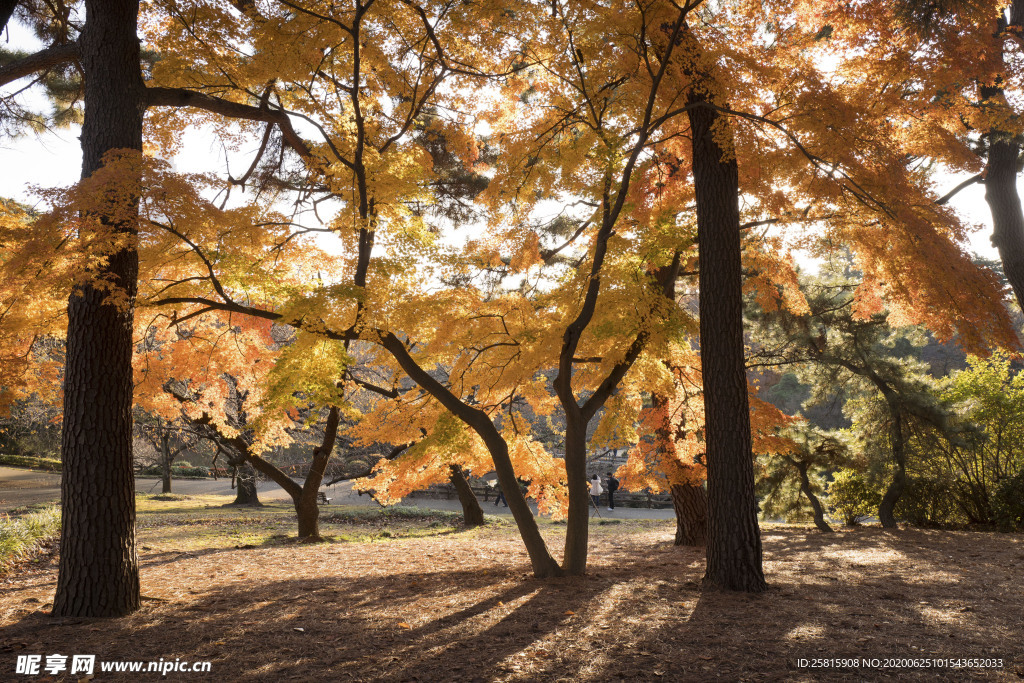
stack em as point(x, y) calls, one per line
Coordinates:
point(691, 505)
point(1001, 175)
point(805, 488)
point(892, 495)
point(165, 457)
point(99, 574)
point(734, 539)
point(246, 492)
point(472, 513)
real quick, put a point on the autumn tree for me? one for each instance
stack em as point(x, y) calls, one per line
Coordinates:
point(99, 575)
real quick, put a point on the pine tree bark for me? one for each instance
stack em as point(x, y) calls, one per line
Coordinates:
point(734, 557)
point(98, 575)
point(472, 513)
point(1001, 193)
point(691, 506)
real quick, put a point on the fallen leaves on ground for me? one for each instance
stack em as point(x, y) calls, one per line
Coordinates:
point(464, 607)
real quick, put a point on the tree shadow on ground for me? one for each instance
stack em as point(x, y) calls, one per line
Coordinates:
point(398, 612)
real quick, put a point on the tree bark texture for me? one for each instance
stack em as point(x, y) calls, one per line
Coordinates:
point(1001, 175)
point(691, 505)
point(98, 575)
point(472, 513)
point(577, 531)
point(734, 539)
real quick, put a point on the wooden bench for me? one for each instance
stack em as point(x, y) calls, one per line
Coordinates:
point(321, 498)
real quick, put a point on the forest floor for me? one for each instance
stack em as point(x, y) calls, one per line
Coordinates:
point(405, 596)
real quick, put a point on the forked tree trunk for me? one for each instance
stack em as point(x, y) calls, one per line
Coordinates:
point(805, 488)
point(245, 486)
point(691, 505)
point(99, 575)
point(734, 540)
point(472, 513)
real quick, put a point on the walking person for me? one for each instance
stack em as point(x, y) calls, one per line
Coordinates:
point(613, 486)
point(595, 490)
point(501, 495)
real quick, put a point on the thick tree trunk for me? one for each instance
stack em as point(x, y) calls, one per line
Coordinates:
point(805, 488)
point(472, 513)
point(245, 486)
point(308, 514)
point(691, 506)
point(892, 495)
point(1001, 176)
point(98, 574)
point(734, 539)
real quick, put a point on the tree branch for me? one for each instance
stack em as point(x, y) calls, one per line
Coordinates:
point(55, 55)
point(180, 97)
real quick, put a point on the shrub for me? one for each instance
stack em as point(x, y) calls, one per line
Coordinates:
point(1008, 503)
point(850, 497)
point(929, 503)
point(11, 460)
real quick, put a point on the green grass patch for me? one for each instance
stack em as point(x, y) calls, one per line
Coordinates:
point(48, 464)
point(22, 535)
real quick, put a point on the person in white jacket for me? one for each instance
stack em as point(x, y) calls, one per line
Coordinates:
point(595, 490)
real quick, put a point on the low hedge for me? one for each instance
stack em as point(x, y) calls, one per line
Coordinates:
point(12, 460)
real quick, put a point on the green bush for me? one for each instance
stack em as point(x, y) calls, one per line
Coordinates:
point(11, 460)
point(178, 469)
point(929, 503)
point(850, 497)
point(1008, 503)
point(19, 536)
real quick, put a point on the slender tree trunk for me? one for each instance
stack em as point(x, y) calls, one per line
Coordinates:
point(472, 513)
point(543, 564)
point(99, 574)
point(246, 492)
point(691, 505)
point(899, 480)
point(734, 539)
point(805, 488)
point(577, 530)
point(306, 507)
point(165, 457)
